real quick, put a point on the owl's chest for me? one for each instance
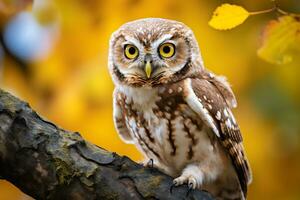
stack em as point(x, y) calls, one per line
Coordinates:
point(149, 116)
point(165, 128)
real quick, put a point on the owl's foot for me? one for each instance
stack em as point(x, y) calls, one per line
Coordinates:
point(190, 181)
point(149, 163)
point(192, 176)
point(175, 184)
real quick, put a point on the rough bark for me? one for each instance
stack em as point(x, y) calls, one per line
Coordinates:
point(47, 162)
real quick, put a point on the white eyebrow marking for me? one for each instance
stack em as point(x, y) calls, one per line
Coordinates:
point(156, 43)
point(134, 41)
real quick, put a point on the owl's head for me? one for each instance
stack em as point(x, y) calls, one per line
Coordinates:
point(153, 51)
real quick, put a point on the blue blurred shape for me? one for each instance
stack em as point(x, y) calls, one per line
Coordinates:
point(26, 38)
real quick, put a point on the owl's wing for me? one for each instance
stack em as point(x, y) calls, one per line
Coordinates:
point(119, 120)
point(223, 87)
point(210, 104)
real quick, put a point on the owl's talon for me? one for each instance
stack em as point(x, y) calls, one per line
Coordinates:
point(191, 186)
point(150, 163)
point(190, 189)
point(192, 183)
point(172, 186)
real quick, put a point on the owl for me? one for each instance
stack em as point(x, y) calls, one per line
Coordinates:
point(175, 111)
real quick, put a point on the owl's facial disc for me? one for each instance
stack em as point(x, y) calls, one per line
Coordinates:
point(150, 52)
point(148, 62)
point(150, 58)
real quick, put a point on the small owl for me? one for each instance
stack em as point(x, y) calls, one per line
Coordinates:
point(175, 111)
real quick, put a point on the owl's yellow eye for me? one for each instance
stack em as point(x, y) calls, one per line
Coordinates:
point(131, 52)
point(167, 50)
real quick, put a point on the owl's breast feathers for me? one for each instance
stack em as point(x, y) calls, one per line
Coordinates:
point(157, 118)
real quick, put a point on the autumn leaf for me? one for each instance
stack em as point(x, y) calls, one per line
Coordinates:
point(228, 16)
point(280, 40)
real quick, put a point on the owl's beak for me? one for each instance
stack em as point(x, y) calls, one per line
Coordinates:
point(148, 69)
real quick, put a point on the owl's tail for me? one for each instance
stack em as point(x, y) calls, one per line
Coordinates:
point(230, 190)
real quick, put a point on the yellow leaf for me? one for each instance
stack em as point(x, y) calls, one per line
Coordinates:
point(281, 40)
point(228, 16)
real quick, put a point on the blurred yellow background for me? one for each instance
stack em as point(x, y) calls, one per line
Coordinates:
point(53, 54)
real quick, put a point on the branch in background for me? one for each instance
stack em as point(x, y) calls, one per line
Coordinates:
point(47, 162)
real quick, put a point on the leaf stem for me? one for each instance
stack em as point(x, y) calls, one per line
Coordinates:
point(263, 11)
point(279, 10)
point(274, 8)
point(282, 11)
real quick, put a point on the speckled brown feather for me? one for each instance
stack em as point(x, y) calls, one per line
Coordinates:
point(230, 135)
point(223, 87)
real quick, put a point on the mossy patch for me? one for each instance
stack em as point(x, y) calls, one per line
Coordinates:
point(63, 171)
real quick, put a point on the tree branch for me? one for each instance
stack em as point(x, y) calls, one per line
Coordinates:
point(47, 162)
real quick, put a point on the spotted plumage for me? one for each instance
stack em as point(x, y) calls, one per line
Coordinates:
point(174, 110)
